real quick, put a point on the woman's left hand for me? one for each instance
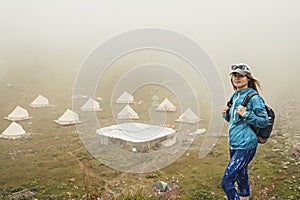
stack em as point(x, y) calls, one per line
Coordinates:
point(241, 110)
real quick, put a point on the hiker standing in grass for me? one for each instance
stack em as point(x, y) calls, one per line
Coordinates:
point(241, 137)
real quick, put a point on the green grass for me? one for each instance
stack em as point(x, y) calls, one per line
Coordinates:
point(53, 173)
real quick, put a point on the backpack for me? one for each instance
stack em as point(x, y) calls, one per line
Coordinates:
point(262, 134)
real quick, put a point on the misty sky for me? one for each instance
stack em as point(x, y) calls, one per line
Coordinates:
point(59, 35)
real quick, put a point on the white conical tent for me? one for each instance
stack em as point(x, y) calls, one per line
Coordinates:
point(188, 117)
point(128, 113)
point(39, 101)
point(18, 114)
point(14, 130)
point(91, 105)
point(69, 117)
point(166, 105)
point(125, 98)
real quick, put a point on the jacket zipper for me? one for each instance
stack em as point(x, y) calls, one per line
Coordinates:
point(233, 104)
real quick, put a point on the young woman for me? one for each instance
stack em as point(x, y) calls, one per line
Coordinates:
point(241, 138)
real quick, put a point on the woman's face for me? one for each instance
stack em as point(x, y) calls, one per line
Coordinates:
point(239, 81)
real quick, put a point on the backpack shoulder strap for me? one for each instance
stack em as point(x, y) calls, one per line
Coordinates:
point(248, 97)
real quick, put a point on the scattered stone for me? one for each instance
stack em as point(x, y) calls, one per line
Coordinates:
point(276, 150)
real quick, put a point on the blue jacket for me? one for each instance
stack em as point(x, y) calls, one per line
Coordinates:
point(240, 134)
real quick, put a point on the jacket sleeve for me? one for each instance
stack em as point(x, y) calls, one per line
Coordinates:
point(258, 116)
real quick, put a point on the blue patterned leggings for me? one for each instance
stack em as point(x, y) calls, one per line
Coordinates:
point(237, 171)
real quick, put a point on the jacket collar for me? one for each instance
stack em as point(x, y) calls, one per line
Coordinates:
point(245, 91)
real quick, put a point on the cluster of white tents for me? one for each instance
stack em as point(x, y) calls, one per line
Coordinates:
point(69, 117)
point(166, 106)
point(15, 130)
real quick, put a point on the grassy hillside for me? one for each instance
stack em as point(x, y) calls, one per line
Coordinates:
point(52, 162)
point(55, 165)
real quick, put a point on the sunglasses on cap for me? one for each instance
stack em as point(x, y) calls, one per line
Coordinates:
point(241, 67)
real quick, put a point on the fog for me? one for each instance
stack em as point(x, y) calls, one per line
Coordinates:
point(46, 42)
